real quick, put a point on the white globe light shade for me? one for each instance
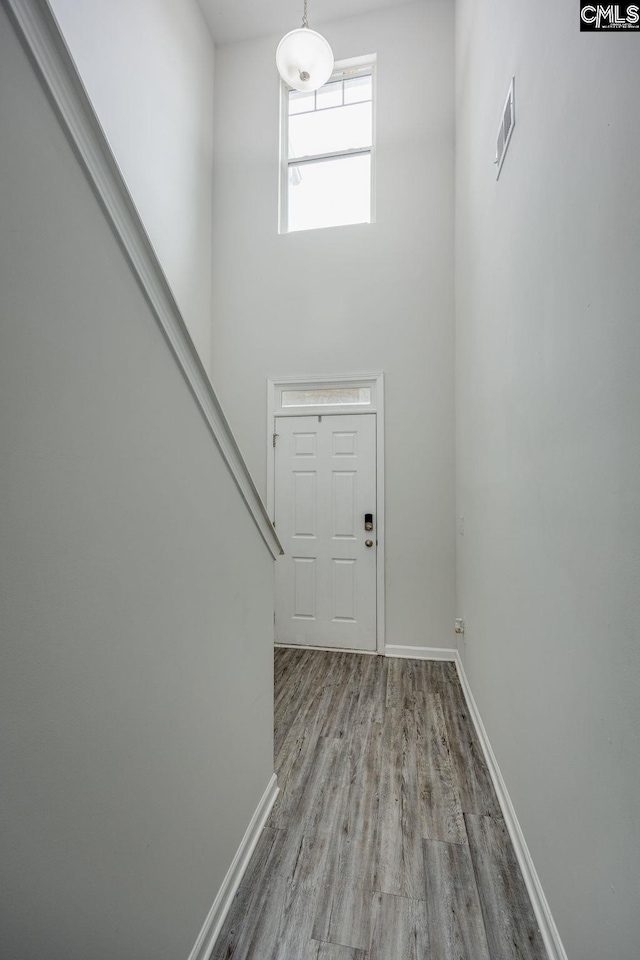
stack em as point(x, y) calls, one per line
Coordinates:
point(304, 59)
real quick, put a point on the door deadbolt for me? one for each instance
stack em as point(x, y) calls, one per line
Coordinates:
point(368, 521)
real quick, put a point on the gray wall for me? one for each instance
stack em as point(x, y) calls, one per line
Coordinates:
point(147, 66)
point(548, 396)
point(135, 591)
point(356, 299)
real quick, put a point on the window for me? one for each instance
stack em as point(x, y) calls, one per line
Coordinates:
point(326, 397)
point(328, 151)
point(301, 397)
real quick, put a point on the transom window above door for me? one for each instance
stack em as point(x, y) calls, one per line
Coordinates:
point(327, 150)
point(326, 396)
point(304, 397)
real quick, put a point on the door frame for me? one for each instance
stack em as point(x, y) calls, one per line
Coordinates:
point(375, 381)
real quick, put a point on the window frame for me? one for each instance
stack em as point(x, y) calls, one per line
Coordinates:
point(340, 68)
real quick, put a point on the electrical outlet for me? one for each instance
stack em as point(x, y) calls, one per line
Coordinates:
point(460, 626)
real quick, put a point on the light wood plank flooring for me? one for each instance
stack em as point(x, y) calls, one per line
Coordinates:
point(386, 841)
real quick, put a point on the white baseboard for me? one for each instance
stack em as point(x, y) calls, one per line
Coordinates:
point(217, 915)
point(419, 653)
point(539, 902)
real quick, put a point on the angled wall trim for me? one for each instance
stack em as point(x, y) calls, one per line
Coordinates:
point(222, 903)
point(539, 902)
point(40, 36)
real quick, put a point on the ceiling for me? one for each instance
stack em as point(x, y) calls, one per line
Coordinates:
point(232, 20)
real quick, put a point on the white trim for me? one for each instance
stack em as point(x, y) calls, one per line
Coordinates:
point(303, 646)
point(381, 583)
point(374, 139)
point(419, 653)
point(539, 902)
point(374, 380)
point(332, 155)
point(213, 924)
point(40, 35)
point(283, 168)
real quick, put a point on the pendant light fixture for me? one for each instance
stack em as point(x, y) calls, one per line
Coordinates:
point(304, 58)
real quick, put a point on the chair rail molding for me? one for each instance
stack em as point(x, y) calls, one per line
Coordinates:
point(41, 37)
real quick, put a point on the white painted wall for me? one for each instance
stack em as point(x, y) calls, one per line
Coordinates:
point(148, 68)
point(548, 299)
point(356, 299)
point(136, 690)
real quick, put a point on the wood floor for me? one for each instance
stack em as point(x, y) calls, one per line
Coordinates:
point(386, 841)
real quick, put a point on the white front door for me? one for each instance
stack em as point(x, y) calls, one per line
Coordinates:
point(325, 484)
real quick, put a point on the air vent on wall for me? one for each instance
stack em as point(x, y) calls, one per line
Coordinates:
point(507, 123)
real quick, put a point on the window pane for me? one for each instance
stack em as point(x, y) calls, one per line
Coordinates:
point(357, 89)
point(330, 95)
point(301, 102)
point(328, 193)
point(327, 131)
point(327, 397)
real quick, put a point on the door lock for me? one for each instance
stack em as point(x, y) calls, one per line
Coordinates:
point(368, 521)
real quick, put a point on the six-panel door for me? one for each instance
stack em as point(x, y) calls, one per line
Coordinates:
point(325, 483)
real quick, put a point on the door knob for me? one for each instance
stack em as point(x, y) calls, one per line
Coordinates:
point(368, 543)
